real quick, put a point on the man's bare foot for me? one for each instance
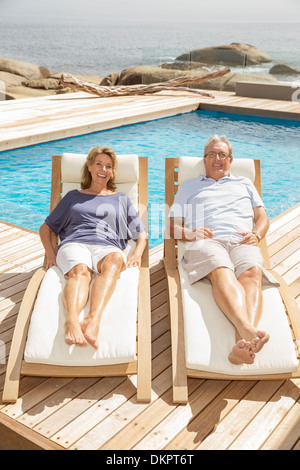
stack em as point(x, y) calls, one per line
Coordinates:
point(73, 333)
point(259, 341)
point(242, 353)
point(90, 329)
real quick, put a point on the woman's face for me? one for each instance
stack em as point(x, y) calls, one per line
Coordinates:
point(102, 169)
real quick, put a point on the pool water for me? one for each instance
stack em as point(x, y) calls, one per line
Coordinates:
point(26, 172)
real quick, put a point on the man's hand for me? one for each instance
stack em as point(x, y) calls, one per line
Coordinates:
point(202, 232)
point(249, 238)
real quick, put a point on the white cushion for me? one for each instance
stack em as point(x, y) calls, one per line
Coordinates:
point(127, 174)
point(209, 335)
point(127, 169)
point(117, 334)
point(192, 167)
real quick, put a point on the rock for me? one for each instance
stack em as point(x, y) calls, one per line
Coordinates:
point(232, 54)
point(24, 69)
point(110, 80)
point(13, 85)
point(43, 83)
point(96, 79)
point(18, 92)
point(11, 78)
point(283, 69)
point(146, 74)
point(183, 65)
point(228, 81)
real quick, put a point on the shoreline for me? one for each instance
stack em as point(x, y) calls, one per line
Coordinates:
point(21, 79)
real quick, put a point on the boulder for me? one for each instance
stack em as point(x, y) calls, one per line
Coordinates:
point(43, 83)
point(183, 65)
point(24, 69)
point(110, 80)
point(145, 74)
point(283, 69)
point(19, 92)
point(96, 79)
point(232, 54)
point(13, 86)
point(11, 79)
point(228, 81)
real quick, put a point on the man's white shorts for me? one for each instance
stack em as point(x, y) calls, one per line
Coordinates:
point(71, 254)
point(203, 256)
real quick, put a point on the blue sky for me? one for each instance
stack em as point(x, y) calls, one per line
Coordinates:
point(194, 10)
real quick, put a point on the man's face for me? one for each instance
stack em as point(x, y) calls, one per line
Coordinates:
point(217, 161)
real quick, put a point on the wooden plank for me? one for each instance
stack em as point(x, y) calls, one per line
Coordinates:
point(215, 417)
point(16, 436)
point(146, 421)
point(233, 424)
point(256, 433)
point(114, 432)
point(205, 422)
point(181, 416)
point(287, 433)
point(290, 237)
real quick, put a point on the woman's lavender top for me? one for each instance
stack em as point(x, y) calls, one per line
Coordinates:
point(95, 220)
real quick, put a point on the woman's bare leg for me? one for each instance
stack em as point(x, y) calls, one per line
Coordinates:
point(75, 297)
point(103, 287)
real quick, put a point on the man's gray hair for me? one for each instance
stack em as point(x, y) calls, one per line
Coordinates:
point(215, 138)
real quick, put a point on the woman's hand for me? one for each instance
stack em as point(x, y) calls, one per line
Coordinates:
point(45, 235)
point(50, 260)
point(133, 260)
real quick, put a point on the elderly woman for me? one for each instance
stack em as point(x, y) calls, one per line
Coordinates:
point(94, 225)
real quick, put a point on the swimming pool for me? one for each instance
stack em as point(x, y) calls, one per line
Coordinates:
point(26, 172)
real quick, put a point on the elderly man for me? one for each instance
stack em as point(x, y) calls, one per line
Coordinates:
point(222, 218)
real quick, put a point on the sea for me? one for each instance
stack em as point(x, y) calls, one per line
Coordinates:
point(100, 47)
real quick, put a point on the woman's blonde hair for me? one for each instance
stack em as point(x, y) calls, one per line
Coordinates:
point(86, 178)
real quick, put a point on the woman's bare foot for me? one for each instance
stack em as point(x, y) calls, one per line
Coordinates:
point(259, 341)
point(90, 329)
point(73, 333)
point(242, 353)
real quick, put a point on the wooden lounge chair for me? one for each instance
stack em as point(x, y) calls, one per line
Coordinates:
point(201, 335)
point(38, 346)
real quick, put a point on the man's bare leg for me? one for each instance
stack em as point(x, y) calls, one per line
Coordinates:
point(230, 296)
point(251, 282)
point(75, 297)
point(103, 287)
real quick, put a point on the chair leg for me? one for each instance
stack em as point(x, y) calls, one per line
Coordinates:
point(144, 338)
point(179, 374)
point(13, 371)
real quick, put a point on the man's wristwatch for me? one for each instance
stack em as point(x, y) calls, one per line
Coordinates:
point(257, 236)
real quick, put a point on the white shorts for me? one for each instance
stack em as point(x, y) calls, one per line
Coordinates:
point(203, 256)
point(71, 254)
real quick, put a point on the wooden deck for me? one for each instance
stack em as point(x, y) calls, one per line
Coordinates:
point(31, 121)
point(76, 413)
point(103, 413)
